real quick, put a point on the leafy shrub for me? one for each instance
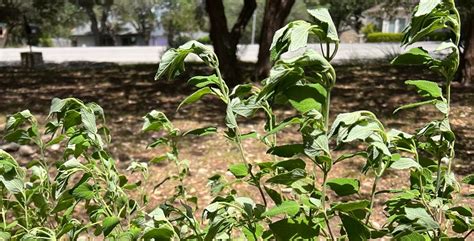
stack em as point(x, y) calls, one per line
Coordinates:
point(369, 28)
point(37, 206)
point(378, 37)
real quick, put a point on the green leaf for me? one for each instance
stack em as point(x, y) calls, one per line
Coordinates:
point(286, 150)
point(426, 88)
point(158, 234)
point(88, 119)
point(290, 229)
point(355, 229)
point(405, 163)
point(288, 178)
point(351, 206)
point(57, 105)
point(14, 186)
point(299, 36)
point(306, 97)
point(283, 124)
point(84, 191)
point(414, 56)
point(274, 195)
point(322, 15)
point(108, 224)
point(202, 131)
point(290, 208)
point(291, 164)
point(421, 216)
point(239, 170)
point(344, 186)
point(203, 81)
point(413, 105)
point(469, 179)
point(195, 96)
point(410, 236)
point(462, 210)
point(172, 62)
point(426, 6)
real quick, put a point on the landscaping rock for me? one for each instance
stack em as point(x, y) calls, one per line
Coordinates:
point(10, 147)
point(26, 151)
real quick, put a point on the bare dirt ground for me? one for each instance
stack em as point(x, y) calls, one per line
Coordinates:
point(128, 92)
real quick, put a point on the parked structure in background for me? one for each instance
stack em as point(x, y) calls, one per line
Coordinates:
point(3, 34)
point(387, 22)
point(126, 35)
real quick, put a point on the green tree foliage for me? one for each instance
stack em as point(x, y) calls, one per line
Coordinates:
point(180, 19)
point(54, 18)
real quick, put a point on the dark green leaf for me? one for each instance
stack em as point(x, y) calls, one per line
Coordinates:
point(202, 131)
point(344, 186)
point(288, 178)
point(286, 150)
point(355, 229)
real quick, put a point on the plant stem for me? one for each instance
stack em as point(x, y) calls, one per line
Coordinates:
point(326, 109)
point(372, 198)
point(323, 204)
point(249, 167)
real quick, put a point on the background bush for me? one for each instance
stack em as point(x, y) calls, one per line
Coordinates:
point(378, 37)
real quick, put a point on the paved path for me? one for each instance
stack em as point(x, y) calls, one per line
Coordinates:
point(152, 54)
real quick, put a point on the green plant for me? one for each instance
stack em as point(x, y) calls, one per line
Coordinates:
point(311, 206)
point(429, 207)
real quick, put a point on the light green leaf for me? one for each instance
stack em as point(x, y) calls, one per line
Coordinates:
point(421, 216)
point(287, 207)
point(299, 36)
point(323, 16)
point(172, 62)
point(239, 170)
point(14, 186)
point(413, 105)
point(84, 191)
point(203, 81)
point(426, 88)
point(108, 224)
point(88, 119)
point(306, 97)
point(195, 96)
point(426, 6)
point(414, 56)
point(405, 163)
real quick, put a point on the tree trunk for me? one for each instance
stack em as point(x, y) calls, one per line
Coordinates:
point(225, 41)
point(276, 12)
point(469, 54)
point(94, 25)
